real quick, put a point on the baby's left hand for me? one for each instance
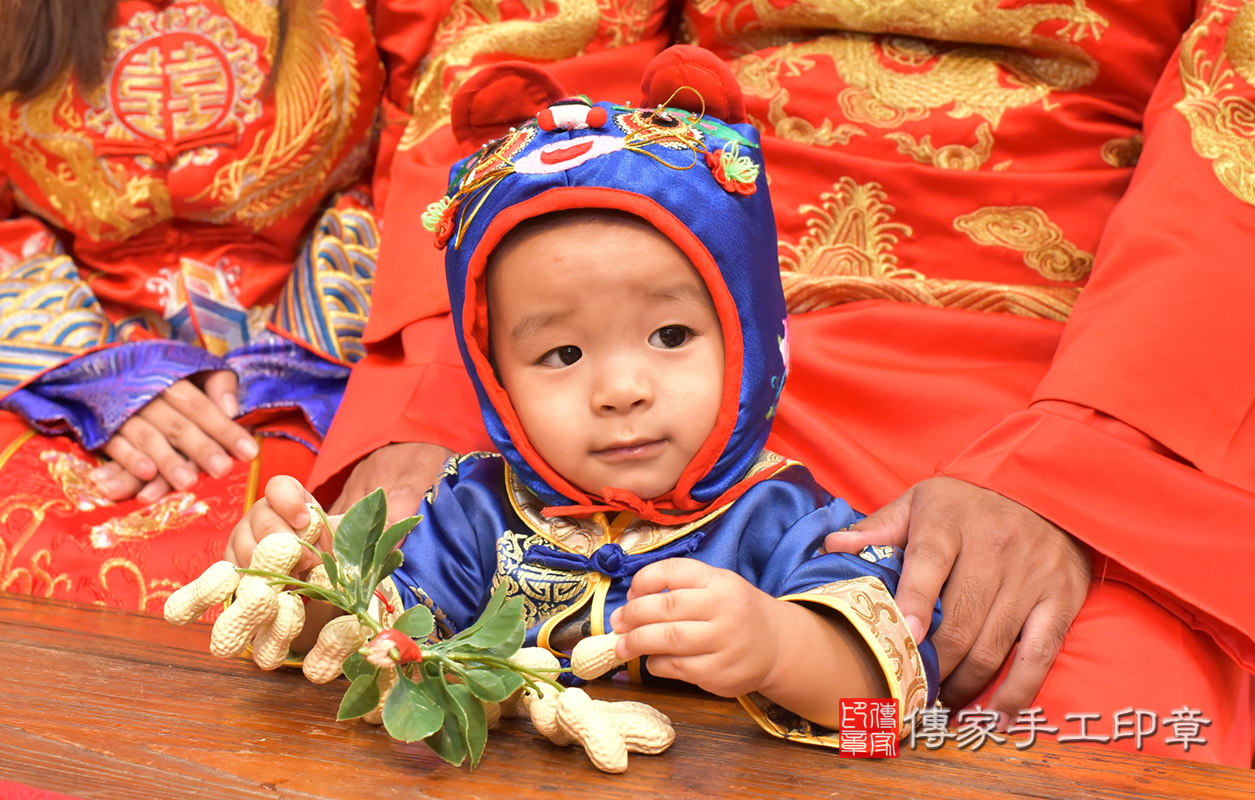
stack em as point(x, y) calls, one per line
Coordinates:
point(710, 627)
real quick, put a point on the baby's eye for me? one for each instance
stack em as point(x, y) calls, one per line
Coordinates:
point(670, 336)
point(561, 356)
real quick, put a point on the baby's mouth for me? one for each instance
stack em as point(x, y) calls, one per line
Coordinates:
point(630, 450)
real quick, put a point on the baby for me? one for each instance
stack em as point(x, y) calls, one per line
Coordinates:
point(613, 280)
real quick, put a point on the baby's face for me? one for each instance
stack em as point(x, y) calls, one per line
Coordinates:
point(605, 338)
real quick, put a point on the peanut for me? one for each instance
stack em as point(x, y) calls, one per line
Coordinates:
point(255, 605)
point(593, 729)
point(278, 552)
point(644, 728)
point(534, 658)
point(492, 714)
point(336, 641)
point(544, 713)
point(631, 707)
point(319, 577)
point(270, 648)
point(212, 587)
point(387, 679)
point(595, 656)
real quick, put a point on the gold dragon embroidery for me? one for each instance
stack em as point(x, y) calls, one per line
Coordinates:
point(473, 28)
point(317, 93)
point(1029, 231)
point(1218, 114)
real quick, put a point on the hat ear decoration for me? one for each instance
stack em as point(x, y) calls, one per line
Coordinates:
point(498, 98)
point(693, 78)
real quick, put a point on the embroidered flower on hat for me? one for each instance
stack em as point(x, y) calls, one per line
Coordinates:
point(736, 173)
point(438, 218)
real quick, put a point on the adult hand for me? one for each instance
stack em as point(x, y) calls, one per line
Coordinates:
point(404, 470)
point(186, 429)
point(1001, 571)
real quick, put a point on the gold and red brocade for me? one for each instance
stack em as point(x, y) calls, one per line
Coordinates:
point(192, 151)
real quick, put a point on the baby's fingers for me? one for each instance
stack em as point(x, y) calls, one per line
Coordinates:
point(679, 638)
point(670, 574)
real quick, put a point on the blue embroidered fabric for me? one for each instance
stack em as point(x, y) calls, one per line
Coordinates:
point(93, 395)
point(470, 539)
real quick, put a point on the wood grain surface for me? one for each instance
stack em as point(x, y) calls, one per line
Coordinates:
point(116, 705)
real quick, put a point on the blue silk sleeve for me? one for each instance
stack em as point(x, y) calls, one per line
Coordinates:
point(451, 554)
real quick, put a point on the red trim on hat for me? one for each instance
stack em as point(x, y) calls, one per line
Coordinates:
point(475, 332)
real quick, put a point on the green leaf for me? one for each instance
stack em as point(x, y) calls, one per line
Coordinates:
point(503, 632)
point(490, 610)
point(356, 666)
point(321, 595)
point(361, 698)
point(487, 684)
point(388, 544)
point(354, 543)
point(387, 566)
point(410, 714)
point(329, 564)
point(416, 622)
point(450, 742)
point(475, 721)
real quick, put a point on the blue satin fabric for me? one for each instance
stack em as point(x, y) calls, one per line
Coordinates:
point(470, 539)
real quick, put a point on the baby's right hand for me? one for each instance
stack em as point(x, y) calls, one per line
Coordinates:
point(283, 508)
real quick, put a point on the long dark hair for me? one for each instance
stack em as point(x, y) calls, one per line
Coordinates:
point(39, 39)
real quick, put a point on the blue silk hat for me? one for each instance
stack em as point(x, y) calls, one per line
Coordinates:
point(684, 161)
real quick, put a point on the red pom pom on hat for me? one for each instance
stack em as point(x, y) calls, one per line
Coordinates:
point(498, 98)
point(696, 68)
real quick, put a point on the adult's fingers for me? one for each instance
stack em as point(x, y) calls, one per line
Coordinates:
point(113, 478)
point(221, 387)
point(153, 491)
point(1040, 642)
point(205, 429)
point(931, 549)
point(146, 438)
point(972, 663)
point(888, 525)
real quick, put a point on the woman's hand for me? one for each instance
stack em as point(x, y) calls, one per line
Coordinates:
point(405, 471)
point(1003, 573)
point(185, 430)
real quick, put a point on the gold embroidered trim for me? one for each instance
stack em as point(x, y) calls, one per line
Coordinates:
point(1027, 230)
point(867, 605)
point(1218, 114)
point(809, 293)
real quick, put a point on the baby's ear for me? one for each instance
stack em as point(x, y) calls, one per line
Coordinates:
point(680, 73)
point(498, 98)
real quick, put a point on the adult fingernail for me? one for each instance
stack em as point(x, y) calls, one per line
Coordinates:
point(230, 406)
point(150, 494)
point(182, 477)
point(219, 465)
point(98, 475)
point(915, 627)
point(247, 448)
point(111, 487)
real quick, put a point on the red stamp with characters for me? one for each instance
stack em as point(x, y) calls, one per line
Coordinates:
point(869, 727)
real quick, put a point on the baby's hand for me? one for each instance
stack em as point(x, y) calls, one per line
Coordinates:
point(283, 508)
point(710, 627)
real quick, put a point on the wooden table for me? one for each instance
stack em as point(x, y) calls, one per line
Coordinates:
point(100, 703)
